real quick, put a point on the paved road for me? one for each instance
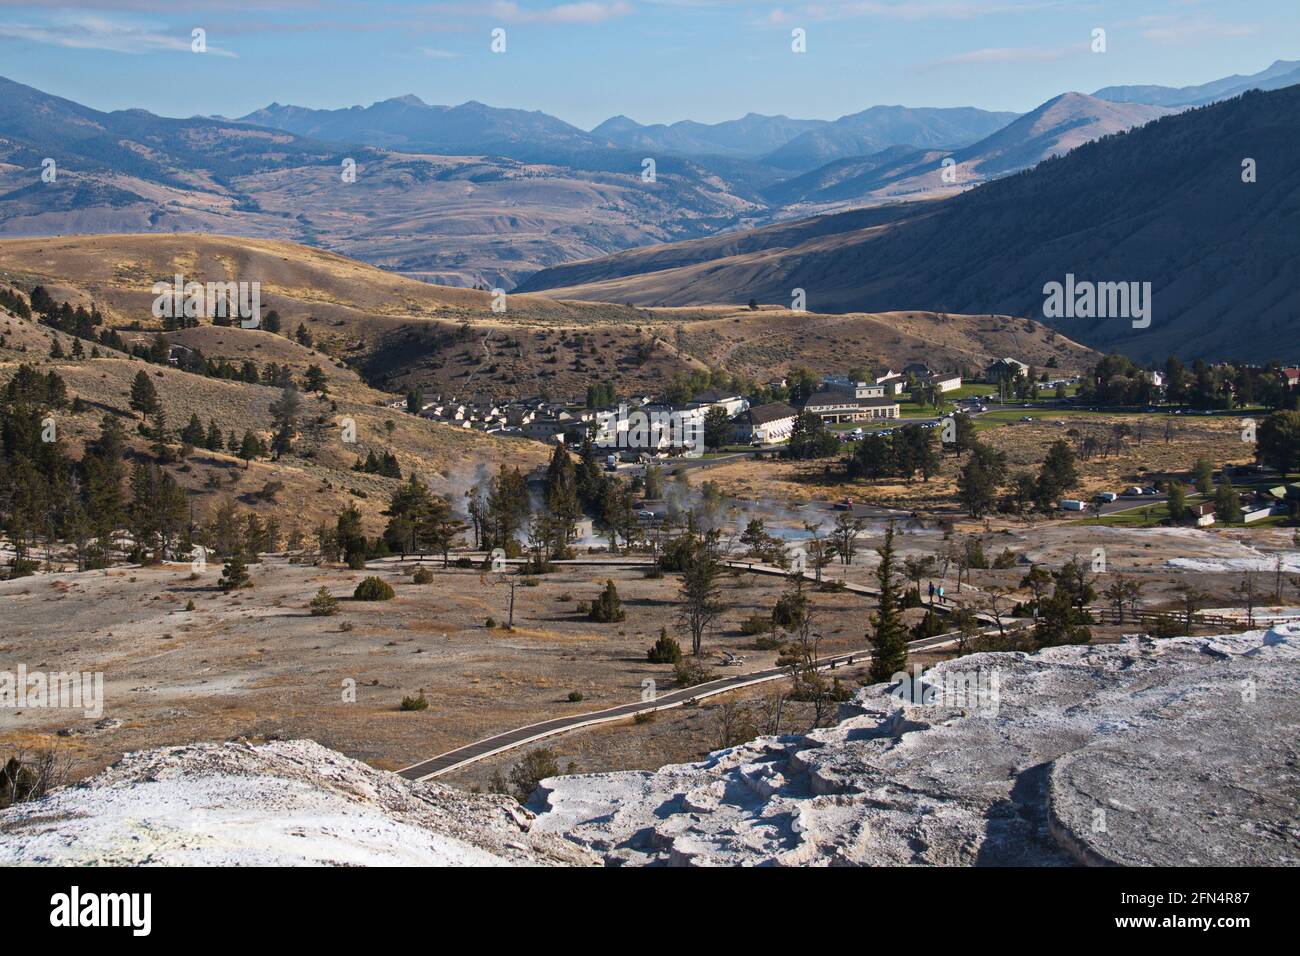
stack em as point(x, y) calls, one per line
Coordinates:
point(453, 759)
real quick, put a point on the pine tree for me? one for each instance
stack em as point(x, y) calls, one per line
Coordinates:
point(324, 604)
point(144, 396)
point(607, 608)
point(192, 434)
point(1177, 503)
point(351, 541)
point(889, 639)
point(235, 574)
point(314, 380)
point(284, 420)
point(249, 447)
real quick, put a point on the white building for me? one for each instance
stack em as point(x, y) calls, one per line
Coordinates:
point(765, 424)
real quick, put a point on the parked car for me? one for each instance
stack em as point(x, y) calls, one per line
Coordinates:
point(1071, 504)
point(1106, 497)
point(1133, 492)
point(845, 505)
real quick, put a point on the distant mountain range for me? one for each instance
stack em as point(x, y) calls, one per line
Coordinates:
point(750, 137)
point(880, 127)
point(1055, 128)
point(1281, 74)
point(1166, 203)
point(475, 195)
point(408, 124)
point(459, 219)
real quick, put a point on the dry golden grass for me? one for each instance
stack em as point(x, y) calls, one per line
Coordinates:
point(402, 333)
point(317, 479)
point(1025, 445)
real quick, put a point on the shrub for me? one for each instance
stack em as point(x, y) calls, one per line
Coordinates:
point(532, 770)
point(665, 650)
point(418, 702)
point(25, 777)
point(324, 604)
point(189, 605)
point(565, 597)
point(575, 696)
point(490, 622)
point(422, 576)
point(374, 589)
point(463, 563)
point(755, 624)
point(607, 608)
point(690, 671)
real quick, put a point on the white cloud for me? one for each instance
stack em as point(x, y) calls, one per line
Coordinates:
point(922, 9)
point(91, 32)
point(1009, 55)
point(1178, 31)
point(587, 11)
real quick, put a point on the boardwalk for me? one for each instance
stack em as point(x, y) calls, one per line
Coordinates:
point(461, 756)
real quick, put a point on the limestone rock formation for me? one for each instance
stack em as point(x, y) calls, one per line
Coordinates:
point(282, 803)
point(1180, 752)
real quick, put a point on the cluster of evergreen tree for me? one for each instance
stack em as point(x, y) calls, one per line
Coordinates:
point(47, 495)
point(499, 509)
point(984, 484)
point(902, 454)
point(385, 464)
point(77, 321)
point(1116, 380)
point(420, 520)
point(810, 439)
point(13, 301)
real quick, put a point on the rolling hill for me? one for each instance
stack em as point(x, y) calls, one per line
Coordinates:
point(1163, 203)
point(374, 330)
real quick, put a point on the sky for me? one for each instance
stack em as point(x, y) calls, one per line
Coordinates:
point(652, 60)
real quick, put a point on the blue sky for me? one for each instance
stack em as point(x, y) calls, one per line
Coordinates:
point(654, 60)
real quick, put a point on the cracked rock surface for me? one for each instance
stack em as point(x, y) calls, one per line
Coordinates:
point(1180, 751)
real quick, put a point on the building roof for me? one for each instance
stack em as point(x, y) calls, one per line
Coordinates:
point(840, 400)
point(712, 395)
point(771, 412)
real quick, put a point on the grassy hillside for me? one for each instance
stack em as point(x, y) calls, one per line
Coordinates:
point(1165, 203)
point(317, 480)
